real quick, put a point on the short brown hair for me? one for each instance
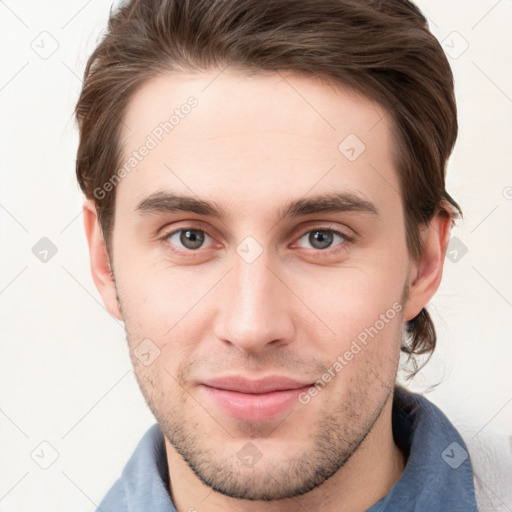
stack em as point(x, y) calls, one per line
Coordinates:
point(381, 48)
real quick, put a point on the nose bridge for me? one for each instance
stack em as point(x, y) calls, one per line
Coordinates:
point(252, 284)
point(255, 309)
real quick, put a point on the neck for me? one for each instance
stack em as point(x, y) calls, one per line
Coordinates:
point(366, 477)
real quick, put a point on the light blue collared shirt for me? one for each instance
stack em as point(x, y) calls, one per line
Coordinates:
point(437, 477)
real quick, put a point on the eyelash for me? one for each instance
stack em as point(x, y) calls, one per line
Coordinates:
point(332, 251)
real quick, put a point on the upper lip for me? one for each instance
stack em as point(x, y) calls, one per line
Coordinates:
point(264, 385)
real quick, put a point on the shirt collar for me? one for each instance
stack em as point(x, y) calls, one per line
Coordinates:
point(438, 473)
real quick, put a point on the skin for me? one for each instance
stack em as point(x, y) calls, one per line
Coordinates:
point(252, 144)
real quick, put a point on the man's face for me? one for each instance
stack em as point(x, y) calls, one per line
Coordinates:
point(256, 294)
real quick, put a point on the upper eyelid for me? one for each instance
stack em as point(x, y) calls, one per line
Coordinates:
point(334, 229)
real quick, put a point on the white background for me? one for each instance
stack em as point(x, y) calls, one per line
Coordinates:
point(65, 372)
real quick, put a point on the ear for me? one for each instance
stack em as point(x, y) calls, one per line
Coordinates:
point(425, 275)
point(99, 260)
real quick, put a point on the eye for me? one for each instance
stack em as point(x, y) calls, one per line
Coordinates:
point(322, 238)
point(190, 239)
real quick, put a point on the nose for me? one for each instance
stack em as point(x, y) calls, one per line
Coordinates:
point(256, 306)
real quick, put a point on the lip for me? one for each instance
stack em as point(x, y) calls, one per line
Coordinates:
point(263, 385)
point(254, 400)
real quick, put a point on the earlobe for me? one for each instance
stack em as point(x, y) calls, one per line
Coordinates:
point(99, 260)
point(425, 276)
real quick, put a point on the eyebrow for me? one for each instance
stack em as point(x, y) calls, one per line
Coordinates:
point(168, 202)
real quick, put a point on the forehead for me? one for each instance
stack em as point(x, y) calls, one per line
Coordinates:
point(265, 137)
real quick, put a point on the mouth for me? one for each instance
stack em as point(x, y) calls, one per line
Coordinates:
point(254, 400)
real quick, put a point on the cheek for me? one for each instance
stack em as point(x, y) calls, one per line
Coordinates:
point(165, 306)
point(351, 299)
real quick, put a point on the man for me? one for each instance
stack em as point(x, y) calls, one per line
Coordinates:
point(266, 212)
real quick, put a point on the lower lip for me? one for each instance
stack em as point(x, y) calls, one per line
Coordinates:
point(254, 407)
